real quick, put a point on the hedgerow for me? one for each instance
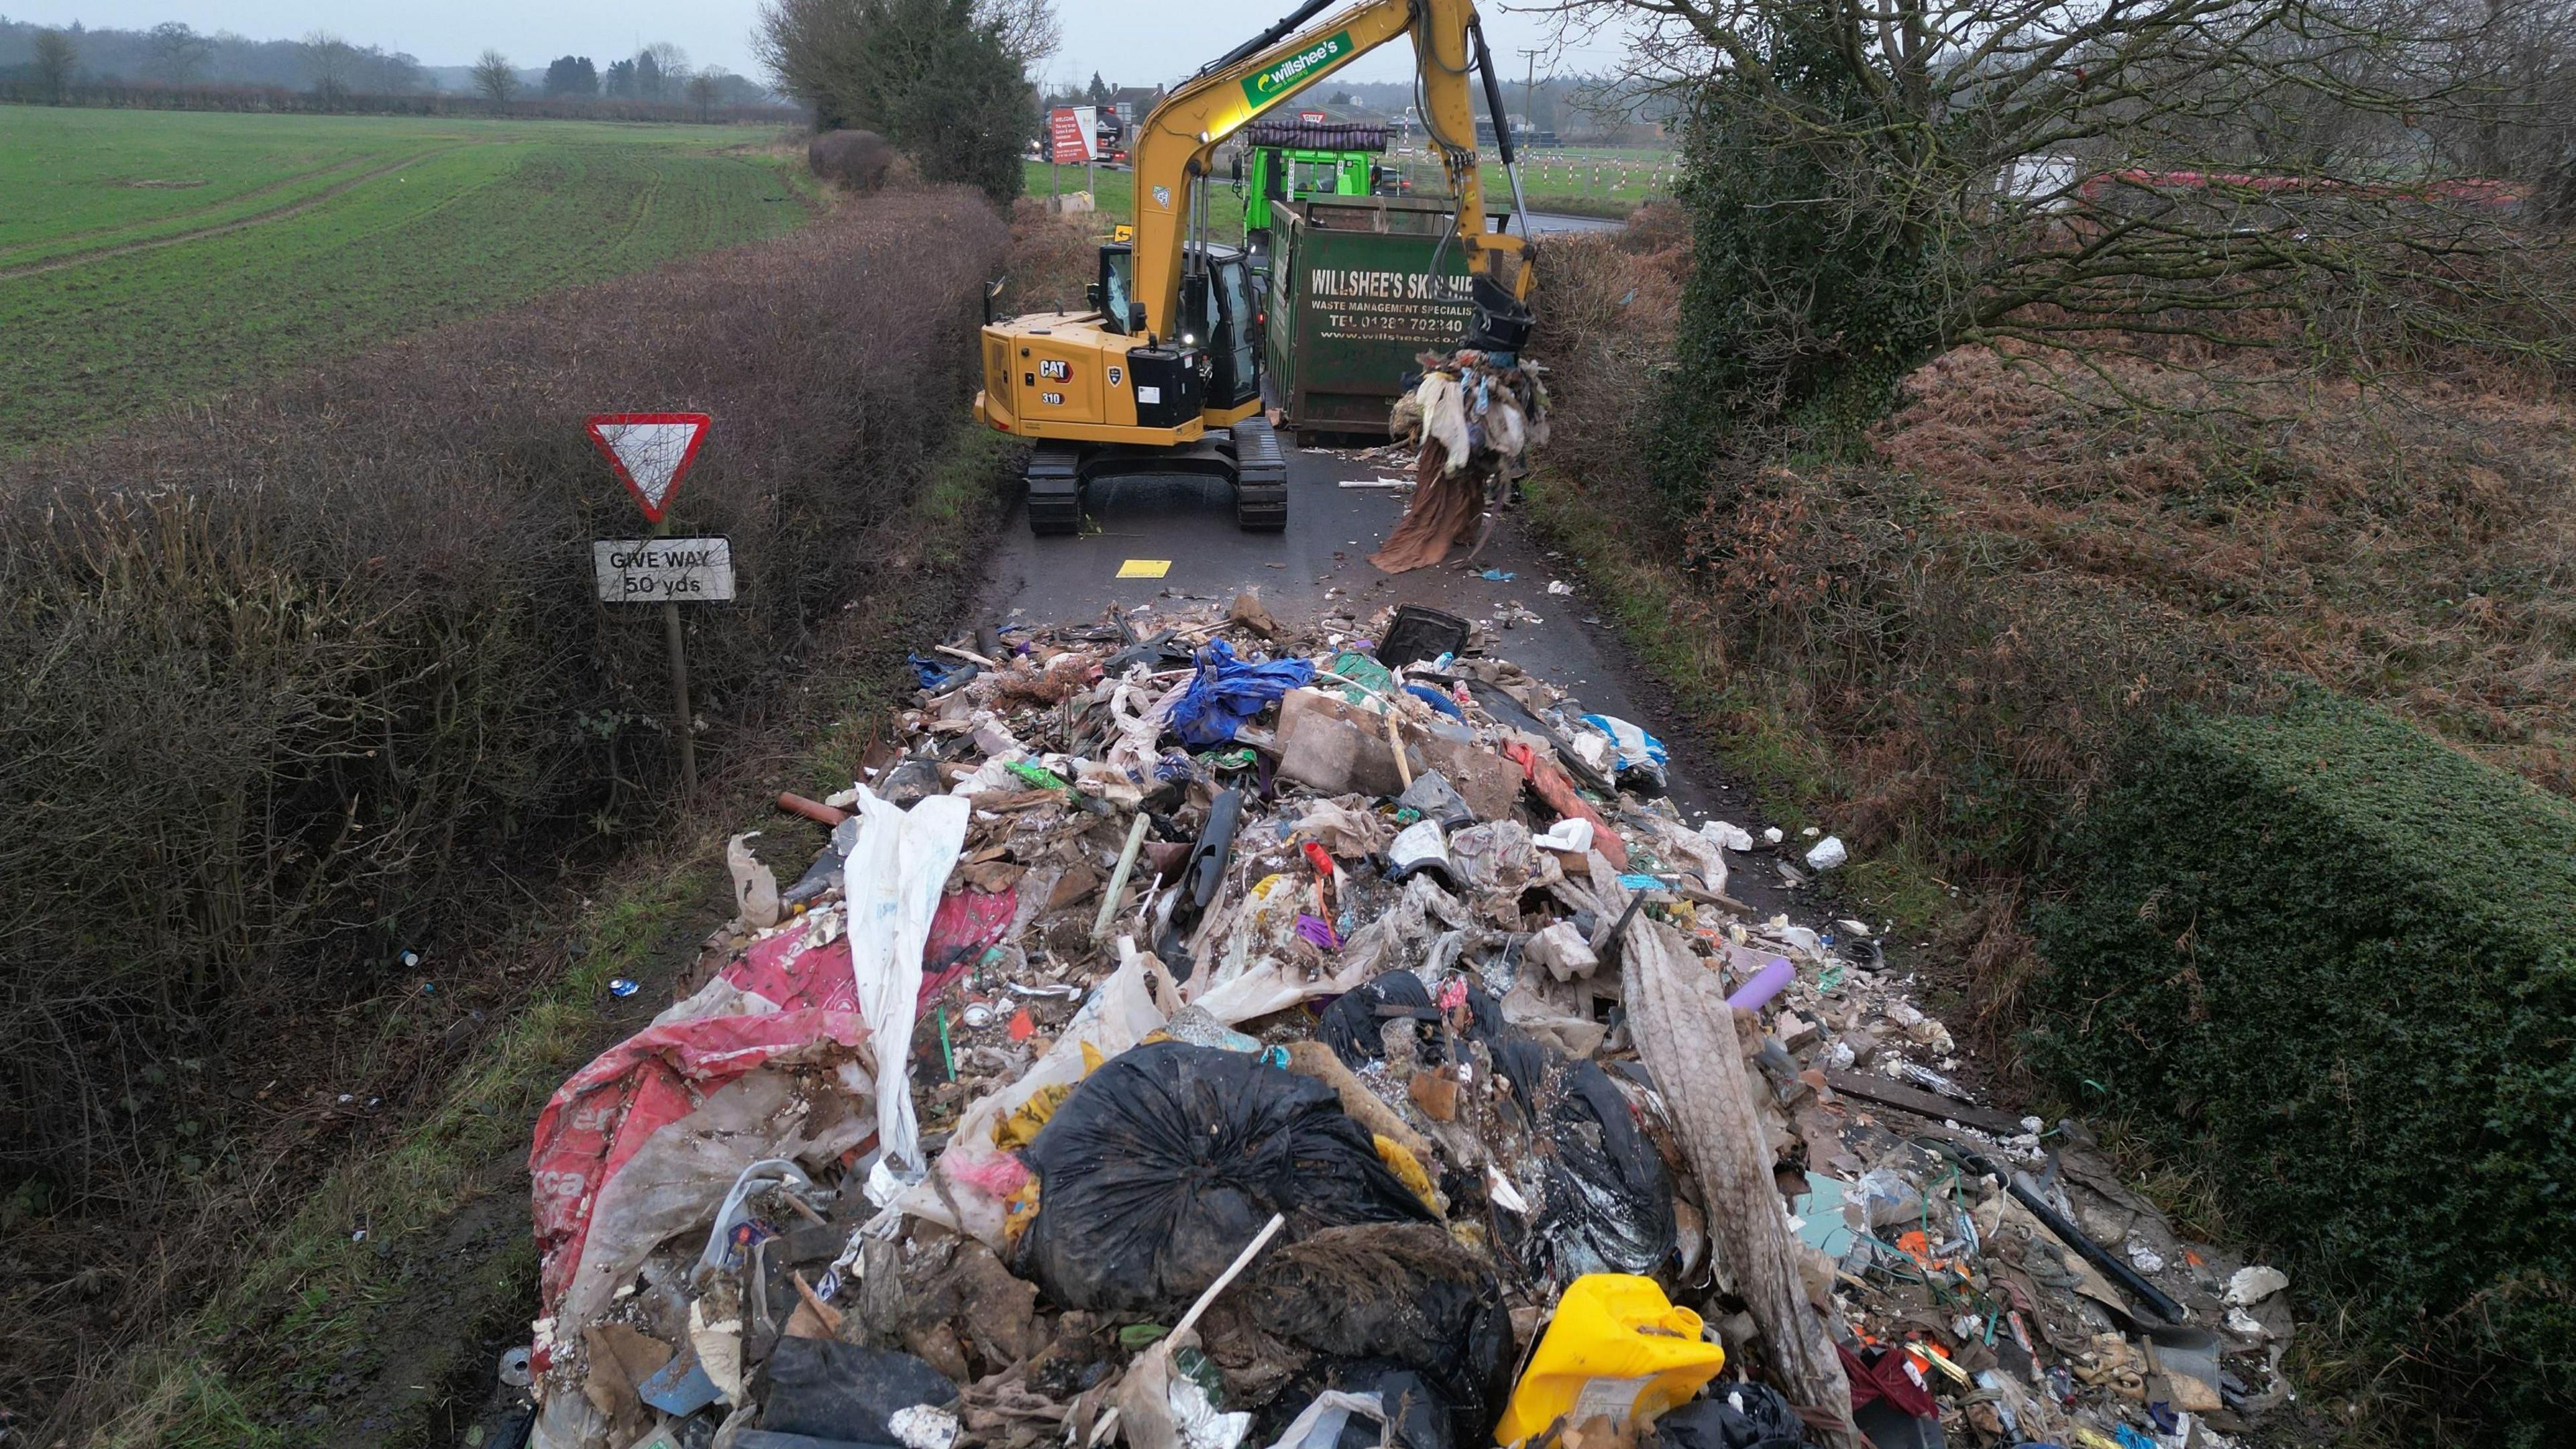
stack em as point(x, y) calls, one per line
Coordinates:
point(2337, 961)
point(295, 683)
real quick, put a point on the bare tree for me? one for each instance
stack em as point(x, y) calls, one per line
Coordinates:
point(384, 73)
point(661, 70)
point(493, 78)
point(330, 62)
point(177, 52)
point(1028, 29)
point(56, 59)
point(1884, 178)
point(932, 76)
point(704, 89)
point(2519, 64)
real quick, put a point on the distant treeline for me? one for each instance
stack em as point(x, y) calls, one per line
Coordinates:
point(175, 55)
point(151, 96)
point(173, 67)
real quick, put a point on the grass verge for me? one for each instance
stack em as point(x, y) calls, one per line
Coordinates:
point(1751, 721)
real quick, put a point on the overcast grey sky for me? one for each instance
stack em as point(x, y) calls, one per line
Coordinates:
point(1131, 42)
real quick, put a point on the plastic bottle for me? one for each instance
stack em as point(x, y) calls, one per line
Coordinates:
point(1618, 1347)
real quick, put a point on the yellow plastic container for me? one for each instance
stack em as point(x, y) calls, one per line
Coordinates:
point(1617, 1346)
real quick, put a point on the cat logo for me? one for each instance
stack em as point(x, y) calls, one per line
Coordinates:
point(1054, 369)
point(1115, 374)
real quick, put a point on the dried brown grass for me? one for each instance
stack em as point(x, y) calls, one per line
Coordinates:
point(1958, 638)
point(1611, 301)
point(1053, 258)
point(2405, 541)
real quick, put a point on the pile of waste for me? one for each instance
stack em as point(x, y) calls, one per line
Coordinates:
point(1474, 417)
point(1200, 1032)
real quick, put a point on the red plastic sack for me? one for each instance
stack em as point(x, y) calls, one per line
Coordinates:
point(723, 1080)
point(784, 971)
point(1893, 1378)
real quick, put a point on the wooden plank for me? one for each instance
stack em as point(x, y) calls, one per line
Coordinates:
point(1922, 1104)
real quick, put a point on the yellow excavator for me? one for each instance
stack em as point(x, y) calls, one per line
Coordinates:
point(1162, 376)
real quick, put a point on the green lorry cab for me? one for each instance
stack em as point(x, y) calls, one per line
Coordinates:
point(1298, 160)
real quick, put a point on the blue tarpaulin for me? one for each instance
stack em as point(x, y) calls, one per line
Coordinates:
point(939, 675)
point(1635, 746)
point(1229, 691)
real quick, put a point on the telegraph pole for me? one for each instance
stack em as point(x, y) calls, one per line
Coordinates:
point(1529, 84)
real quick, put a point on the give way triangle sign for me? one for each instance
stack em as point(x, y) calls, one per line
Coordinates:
point(649, 451)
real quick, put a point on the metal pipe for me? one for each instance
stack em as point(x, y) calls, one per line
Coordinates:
point(679, 652)
point(1502, 124)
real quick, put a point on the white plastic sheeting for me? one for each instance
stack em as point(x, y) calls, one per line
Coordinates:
point(892, 883)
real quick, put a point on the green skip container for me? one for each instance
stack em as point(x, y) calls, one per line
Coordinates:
point(1353, 299)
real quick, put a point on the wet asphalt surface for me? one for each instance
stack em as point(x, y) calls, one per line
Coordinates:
point(1543, 222)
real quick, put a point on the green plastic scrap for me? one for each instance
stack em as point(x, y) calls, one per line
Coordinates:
point(1038, 777)
point(1199, 1369)
point(1362, 670)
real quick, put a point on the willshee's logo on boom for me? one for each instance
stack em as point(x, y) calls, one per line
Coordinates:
point(1263, 87)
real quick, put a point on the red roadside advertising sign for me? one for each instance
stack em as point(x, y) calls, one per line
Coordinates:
point(1072, 133)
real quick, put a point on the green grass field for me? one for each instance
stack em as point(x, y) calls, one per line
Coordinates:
point(1585, 181)
point(1580, 179)
point(147, 257)
point(1114, 192)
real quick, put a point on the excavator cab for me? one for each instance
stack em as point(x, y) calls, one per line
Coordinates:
point(1220, 308)
point(1103, 395)
point(1220, 316)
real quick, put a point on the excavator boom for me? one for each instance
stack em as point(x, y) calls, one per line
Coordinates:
point(1174, 143)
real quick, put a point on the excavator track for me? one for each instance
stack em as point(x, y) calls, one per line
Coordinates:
point(1260, 478)
point(1054, 481)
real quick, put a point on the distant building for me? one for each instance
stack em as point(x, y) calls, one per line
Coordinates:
point(1134, 102)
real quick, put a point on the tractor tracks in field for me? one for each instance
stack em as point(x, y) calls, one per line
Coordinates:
point(243, 223)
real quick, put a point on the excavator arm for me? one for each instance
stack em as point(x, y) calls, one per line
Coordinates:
point(1173, 146)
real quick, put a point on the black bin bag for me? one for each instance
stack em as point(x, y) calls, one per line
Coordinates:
point(1609, 1202)
point(842, 1392)
point(1167, 1160)
point(1730, 1416)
